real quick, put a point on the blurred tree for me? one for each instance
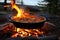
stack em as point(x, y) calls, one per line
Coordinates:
point(22, 2)
point(52, 6)
point(43, 5)
point(5, 3)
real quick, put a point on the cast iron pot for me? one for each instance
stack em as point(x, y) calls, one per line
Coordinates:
point(28, 25)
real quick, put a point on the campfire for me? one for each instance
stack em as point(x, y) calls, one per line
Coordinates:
point(25, 25)
point(23, 16)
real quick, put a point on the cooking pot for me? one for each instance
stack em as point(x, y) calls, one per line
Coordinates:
point(28, 25)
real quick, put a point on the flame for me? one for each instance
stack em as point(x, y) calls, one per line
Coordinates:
point(20, 11)
point(26, 32)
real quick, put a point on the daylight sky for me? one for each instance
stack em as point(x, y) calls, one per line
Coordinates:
point(28, 2)
point(31, 2)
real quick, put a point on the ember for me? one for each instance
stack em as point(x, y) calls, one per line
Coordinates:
point(27, 32)
point(21, 32)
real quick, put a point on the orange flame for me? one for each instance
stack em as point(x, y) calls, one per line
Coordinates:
point(20, 11)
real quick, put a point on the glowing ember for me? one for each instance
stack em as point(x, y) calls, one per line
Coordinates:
point(20, 32)
point(27, 32)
